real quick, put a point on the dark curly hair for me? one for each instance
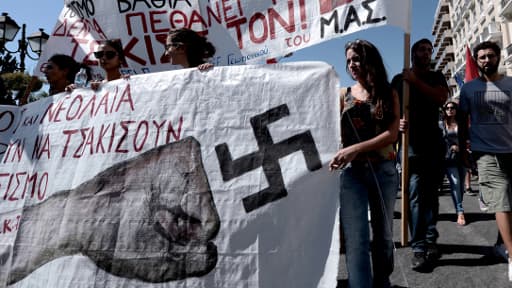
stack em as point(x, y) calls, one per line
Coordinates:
point(487, 45)
point(198, 48)
point(66, 62)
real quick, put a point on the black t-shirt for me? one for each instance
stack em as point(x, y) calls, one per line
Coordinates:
point(425, 136)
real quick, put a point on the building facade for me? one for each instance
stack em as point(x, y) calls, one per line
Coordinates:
point(458, 23)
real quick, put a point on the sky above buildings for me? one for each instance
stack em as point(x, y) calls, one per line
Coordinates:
point(43, 14)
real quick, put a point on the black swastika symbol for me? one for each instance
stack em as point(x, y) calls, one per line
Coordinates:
point(267, 157)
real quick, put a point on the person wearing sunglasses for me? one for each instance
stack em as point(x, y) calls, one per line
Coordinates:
point(453, 166)
point(188, 49)
point(369, 129)
point(111, 58)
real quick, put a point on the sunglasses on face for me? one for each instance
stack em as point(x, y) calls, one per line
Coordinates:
point(108, 54)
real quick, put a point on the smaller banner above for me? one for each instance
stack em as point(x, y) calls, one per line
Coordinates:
point(243, 31)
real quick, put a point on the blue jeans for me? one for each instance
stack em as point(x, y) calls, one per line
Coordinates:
point(455, 175)
point(425, 175)
point(358, 189)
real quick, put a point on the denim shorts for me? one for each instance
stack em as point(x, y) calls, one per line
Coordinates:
point(495, 180)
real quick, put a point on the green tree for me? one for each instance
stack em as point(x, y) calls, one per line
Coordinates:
point(15, 82)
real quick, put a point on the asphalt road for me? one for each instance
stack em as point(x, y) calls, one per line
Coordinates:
point(468, 256)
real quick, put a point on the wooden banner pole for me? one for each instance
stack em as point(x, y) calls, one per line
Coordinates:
point(405, 147)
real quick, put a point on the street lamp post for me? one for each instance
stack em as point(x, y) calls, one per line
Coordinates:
point(8, 30)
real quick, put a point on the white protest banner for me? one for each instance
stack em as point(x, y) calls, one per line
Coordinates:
point(174, 179)
point(243, 31)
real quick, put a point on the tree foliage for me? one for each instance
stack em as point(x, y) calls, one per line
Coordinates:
point(15, 82)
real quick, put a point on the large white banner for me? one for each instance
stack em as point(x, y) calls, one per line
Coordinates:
point(243, 31)
point(174, 179)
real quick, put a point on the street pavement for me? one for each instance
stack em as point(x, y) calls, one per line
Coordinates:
point(468, 257)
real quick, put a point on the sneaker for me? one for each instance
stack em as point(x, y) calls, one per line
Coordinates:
point(432, 252)
point(509, 270)
point(481, 203)
point(470, 192)
point(419, 262)
point(500, 253)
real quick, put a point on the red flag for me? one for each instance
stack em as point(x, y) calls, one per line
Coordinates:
point(329, 5)
point(471, 67)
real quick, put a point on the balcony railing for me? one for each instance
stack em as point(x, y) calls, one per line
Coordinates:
point(444, 58)
point(441, 11)
point(447, 71)
point(439, 29)
point(465, 6)
point(459, 66)
point(491, 33)
point(489, 9)
point(508, 57)
point(506, 9)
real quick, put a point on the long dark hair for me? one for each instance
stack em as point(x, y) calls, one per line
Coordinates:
point(376, 77)
point(198, 48)
point(66, 62)
point(118, 47)
point(455, 106)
